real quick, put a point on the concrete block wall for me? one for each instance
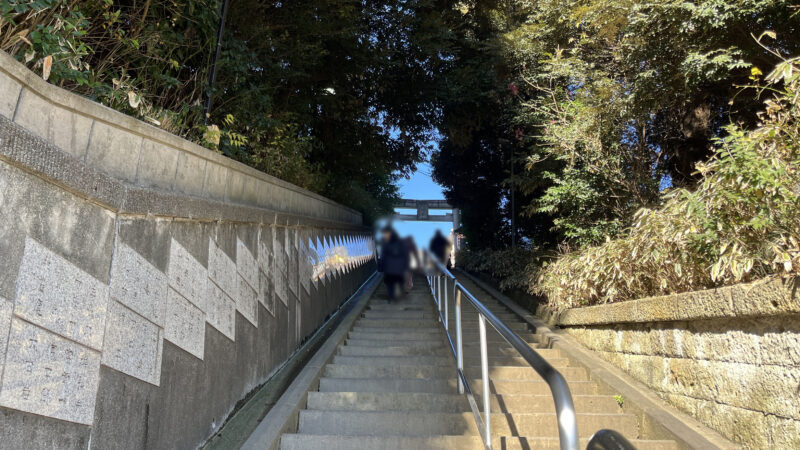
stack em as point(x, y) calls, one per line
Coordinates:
point(730, 357)
point(146, 284)
point(140, 154)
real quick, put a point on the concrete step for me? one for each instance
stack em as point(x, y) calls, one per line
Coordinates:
point(469, 324)
point(512, 373)
point(389, 371)
point(473, 338)
point(420, 371)
point(505, 349)
point(420, 385)
point(523, 403)
point(467, 328)
point(447, 361)
point(494, 349)
point(392, 401)
point(414, 423)
point(410, 343)
point(387, 401)
point(371, 314)
point(401, 307)
point(474, 360)
point(333, 442)
point(367, 347)
point(444, 359)
point(379, 334)
point(447, 386)
point(397, 323)
point(395, 350)
point(530, 387)
point(403, 302)
point(337, 442)
point(469, 335)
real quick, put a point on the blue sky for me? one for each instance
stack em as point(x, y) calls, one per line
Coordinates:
point(421, 187)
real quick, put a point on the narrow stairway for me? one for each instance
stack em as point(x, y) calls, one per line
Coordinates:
point(392, 385)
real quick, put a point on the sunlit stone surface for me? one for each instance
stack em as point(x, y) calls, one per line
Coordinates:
point(221, 311)
point(247, 301)
point(185, 326)
point(139, 285)
point(186, 275)
point(221, 269)
point(58, 296)
point(246, 264)
point(48, 375)
point(132, 344)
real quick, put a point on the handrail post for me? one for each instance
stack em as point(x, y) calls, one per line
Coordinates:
point(446, 307)
point(439, 295)
point(459, 341)
point(487, 412)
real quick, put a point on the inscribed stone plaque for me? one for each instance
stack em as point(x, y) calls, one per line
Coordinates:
point(132, 344)
point(247, 301)
point(185, 324)
point(186, 274)
point(246, 264)
point(48, 375)
point(58, 296)
point(222, 269)
point(138, 284)
point(265, 292)
point(221, 311)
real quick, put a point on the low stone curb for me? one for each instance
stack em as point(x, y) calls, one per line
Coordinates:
point(283, 416)
point(767, 297)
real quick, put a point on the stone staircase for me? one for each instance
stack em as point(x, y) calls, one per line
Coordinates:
point(392, 385)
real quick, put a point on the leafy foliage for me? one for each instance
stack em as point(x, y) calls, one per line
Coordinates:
point(328, 95)
point(603, 103)
point(511, 267)
point(740, 224)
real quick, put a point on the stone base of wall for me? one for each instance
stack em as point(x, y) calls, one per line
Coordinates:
point(730, 357)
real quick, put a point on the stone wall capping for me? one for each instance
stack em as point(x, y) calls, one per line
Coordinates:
point(93, 184)
point(768, 297)
point(19, 80)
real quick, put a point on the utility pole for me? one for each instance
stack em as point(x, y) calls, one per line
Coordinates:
point(213, 77)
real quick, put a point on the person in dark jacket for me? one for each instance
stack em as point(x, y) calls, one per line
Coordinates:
point(440, 246)
point(395, 261)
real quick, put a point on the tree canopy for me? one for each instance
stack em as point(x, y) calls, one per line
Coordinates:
point(599, 105)
point(555, 120)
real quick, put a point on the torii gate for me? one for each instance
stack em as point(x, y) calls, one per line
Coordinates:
point(423, 208)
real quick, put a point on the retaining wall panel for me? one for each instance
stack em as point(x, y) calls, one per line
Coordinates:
point(728, 356)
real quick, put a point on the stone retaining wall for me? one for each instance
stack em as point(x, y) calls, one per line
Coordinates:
point(730, 356)
point(146, 284)
point(142, 155)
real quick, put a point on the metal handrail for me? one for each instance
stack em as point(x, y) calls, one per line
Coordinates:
point(565, 410)
point(609, 440)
